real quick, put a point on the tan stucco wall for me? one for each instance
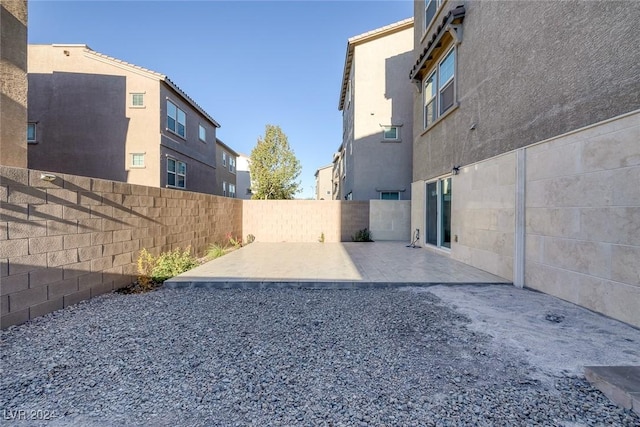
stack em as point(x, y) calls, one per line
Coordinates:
point(324, 183)
point(583, 218)
point(382, 95)
point(303, 220)
point(71, 239)
point(86, 124)
point(390, 219)
point(13, 83)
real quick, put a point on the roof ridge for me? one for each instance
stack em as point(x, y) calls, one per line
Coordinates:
point(160, 76)
point(380, 30)
point(120, 61)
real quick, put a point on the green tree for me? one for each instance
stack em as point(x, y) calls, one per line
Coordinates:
point(274, 167)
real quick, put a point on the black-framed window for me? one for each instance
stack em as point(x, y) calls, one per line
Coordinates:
point(176, 119)
point(176, 173)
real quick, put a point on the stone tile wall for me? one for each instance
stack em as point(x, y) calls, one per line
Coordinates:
point(483, 209)
point(390, 219)
point(583, 218)
point(75, 237)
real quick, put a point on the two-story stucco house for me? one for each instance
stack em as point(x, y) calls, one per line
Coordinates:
point(324, 182)
point(226, 172)
point(94, 115)
point(526, 144)
point(375, 100)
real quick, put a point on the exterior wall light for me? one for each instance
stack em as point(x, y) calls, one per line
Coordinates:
point(49, 177)
point(455, 170)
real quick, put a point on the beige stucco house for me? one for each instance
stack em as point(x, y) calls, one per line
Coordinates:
point(375, 100)
point(324, 182)
point(13, 83)
point(226, 172)
point(93, 115)
point(526, 144)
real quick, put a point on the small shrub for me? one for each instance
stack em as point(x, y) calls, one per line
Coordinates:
point(251, 238)
point(145, 268)
point(236, 242)
point(155, 270)
point(216, 251)
point(321, 239)
point(170, 264)
point(363, 235)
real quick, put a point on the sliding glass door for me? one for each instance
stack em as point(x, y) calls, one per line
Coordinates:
point(438, 211)
point(432, 213)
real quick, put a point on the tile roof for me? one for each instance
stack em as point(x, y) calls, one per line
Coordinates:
point(361, 38)
point(159, 76)
point(455, 15)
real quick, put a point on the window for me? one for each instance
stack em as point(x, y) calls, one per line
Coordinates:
point(176, 119)
point(137, 99)
point(430, 9)
point(232, 164)
point(390, 132)
point(224, 159)
point(438, 89)
point(389, 195)
point(137, 160)
point(232, 190)
point(202, 133)
point(446, 71)
point(176, 173)
point(31, 132)
point(224, 188)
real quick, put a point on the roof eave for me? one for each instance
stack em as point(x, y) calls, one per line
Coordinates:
point(231, 150)
point(363, 38)
point(182, 93)
point(348, 60)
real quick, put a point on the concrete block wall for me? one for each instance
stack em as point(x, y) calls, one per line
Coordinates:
point(304, 220)
point(76, 237)
point(482, 217)
point(13, 83)
point(583, 218)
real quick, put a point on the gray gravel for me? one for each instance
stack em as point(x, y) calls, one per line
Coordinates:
point(280, 357)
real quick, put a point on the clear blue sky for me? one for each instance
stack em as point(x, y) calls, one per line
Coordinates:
point(247, 63)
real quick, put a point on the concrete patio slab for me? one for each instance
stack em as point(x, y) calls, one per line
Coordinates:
point(330, 266)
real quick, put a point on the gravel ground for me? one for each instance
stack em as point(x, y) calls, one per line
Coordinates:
point(280, 357)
